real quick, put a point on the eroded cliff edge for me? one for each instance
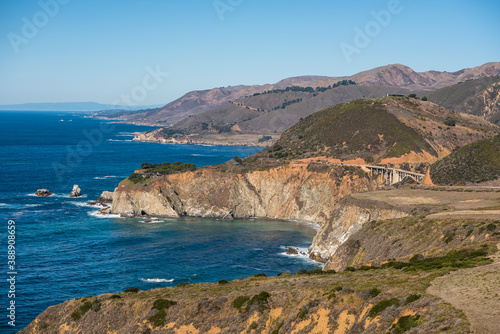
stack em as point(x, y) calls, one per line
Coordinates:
point(290, 192)
point(348, 217)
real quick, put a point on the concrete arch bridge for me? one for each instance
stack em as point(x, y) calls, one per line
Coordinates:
point(389, 175)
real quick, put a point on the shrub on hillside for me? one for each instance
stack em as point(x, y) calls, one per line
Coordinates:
point(449, 121)
point(264, 139)
point(240, 301)
point(382, 305)
point(162, 304)
point(412, 298)
point(405, 323)
point(165, 168)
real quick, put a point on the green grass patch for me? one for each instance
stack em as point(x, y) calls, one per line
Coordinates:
point(80, 311)
point(155, 170)
point(161, 304)
point(302, 313)
point(261, 300)
point(374, 292)
point(464, 258)
point(158, 319)
point(491, 227)
point(259, 275)
point(240, 301)
point(315, 272)
point(382, 305)
point(412, 298)
point(406, 323)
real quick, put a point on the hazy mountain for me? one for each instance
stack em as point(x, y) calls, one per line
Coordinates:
point(396, 75)
point(70, 106)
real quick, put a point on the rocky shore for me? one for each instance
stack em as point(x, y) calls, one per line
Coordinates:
point(156, 136)
point(288, 192)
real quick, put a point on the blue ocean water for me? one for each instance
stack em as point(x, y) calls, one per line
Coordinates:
point(64, 250)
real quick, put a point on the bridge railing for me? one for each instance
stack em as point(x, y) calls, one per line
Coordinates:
point(388, 173)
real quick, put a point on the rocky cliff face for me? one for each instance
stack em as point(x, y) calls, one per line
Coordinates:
point(485, 104)
point(400, 239)
point(347, 218)
point(289, 192)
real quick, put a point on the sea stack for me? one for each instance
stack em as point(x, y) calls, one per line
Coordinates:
point(105, 198)
point(43, 193)
point(76, 192)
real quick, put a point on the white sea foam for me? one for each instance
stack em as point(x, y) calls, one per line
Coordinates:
point(18, 206)
point(152, 222)
point(247, 267)
point(97, 214)
point(122, 140)
point(59, 195)
point(105, 177)
point(156, 280)
point(302, 252)
point(87, 205)
point(35, 195)
point(125, 134)
point(67, 196)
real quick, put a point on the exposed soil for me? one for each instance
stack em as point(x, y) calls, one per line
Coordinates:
point(476, 292)
point(479, 214)
point(443, 204)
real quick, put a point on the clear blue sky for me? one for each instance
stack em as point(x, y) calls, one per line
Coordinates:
point(97, 50)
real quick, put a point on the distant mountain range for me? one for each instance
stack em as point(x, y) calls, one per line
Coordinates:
point(396, 75)
point(72, 106)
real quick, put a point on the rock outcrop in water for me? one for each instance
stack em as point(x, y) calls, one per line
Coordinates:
point(105, 198)
point(76, 192)
point(43, 193)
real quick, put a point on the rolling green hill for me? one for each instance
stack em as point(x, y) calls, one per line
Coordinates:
point(474, 163)
point(379, 128)
point(351, 129)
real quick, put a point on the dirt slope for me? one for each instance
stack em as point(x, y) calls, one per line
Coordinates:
point(476, 292)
